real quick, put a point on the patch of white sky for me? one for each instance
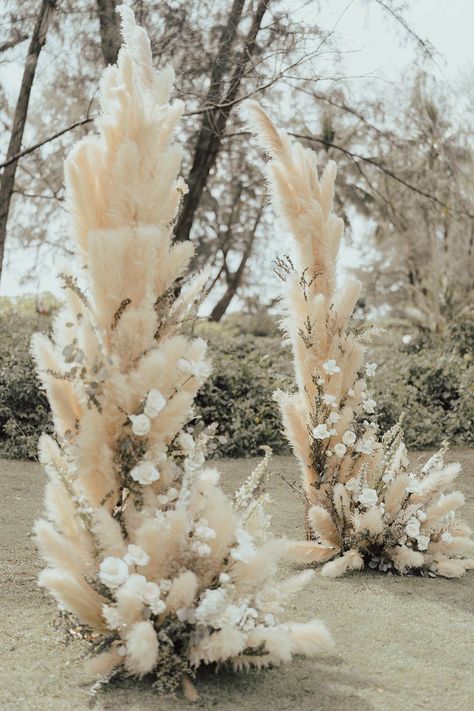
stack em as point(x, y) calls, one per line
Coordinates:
point(376, 56)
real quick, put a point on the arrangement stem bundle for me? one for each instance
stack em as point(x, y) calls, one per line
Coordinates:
point(364, 501)
point(163, 572)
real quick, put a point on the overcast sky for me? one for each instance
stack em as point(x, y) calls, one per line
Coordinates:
point(373, 46)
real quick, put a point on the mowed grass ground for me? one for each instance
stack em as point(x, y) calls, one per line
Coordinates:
point(401, 642)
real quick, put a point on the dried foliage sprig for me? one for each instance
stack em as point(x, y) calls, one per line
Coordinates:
point(162, 571)
point(363, 502)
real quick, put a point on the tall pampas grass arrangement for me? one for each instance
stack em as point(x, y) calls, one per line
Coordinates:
point(363, 499)
point(162, 571)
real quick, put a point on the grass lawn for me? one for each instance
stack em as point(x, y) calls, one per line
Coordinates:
point(402, 642)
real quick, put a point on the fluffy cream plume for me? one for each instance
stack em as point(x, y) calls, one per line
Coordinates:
point(361, 498)
point(142, 546)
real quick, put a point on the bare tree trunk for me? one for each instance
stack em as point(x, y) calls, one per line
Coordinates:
point(109, 30)
point(234, 280)
point(215, 119)
point(19, 120)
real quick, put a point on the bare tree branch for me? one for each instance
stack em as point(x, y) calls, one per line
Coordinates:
point(21, 111)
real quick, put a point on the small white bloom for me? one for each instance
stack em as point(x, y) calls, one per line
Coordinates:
point(407, 339)
point(421, 516)
point(328, 453)
point(321, 432)
point(245, 549)
point(136, 584)
point(423, 542)
point(210, 476)
point(447, 537)
point(329, 400)
point(349, 438)
point(320, 381)
point(351, 392)
point(369, 406)
point(352, 484)
point(331, 367)
point(334, 417)
point(412, 528)
point(122, 650)
point(269, 619)
point(365, 445)
point(157, 606)
point(113, 572)
point(140, 425)
point(368, 497)
point(155, 402)
point(340, 449)
point(112, 617)
point(414, 487)
point(370, 369)
point(224, 578)
point(185, 614)
point(200, 548)
point(145, 473)
point(205, 533)
point(166, 584)
point(186, 442)
point(136, 555)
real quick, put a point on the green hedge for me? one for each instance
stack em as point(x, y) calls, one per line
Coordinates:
point(24, 409)
point(431, 381)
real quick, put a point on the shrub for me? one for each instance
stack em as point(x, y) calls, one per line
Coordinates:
point(246, 371)
point(24, 410)
point(430, 380)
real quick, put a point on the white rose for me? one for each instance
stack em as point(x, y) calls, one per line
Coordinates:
point(412, 528)
point(423, 542)
point(365, 446)
point(322, 432)
point(340, 449)
point(145, 473)
point(369, 405)
point(136, 585)
point(331, 367)
point(140, 425)
point(447, 537)
point(329, 400)
point(368, 497)
point(349, 438)
point(136, 555)
point(155, 402)
point(151, 593)
point(113, 572)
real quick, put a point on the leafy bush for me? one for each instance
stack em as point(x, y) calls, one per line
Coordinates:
point(24, 409)
point(430, 380)
point(246, 371)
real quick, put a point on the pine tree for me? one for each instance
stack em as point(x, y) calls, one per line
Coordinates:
point(162, 571)
point(362, 497)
